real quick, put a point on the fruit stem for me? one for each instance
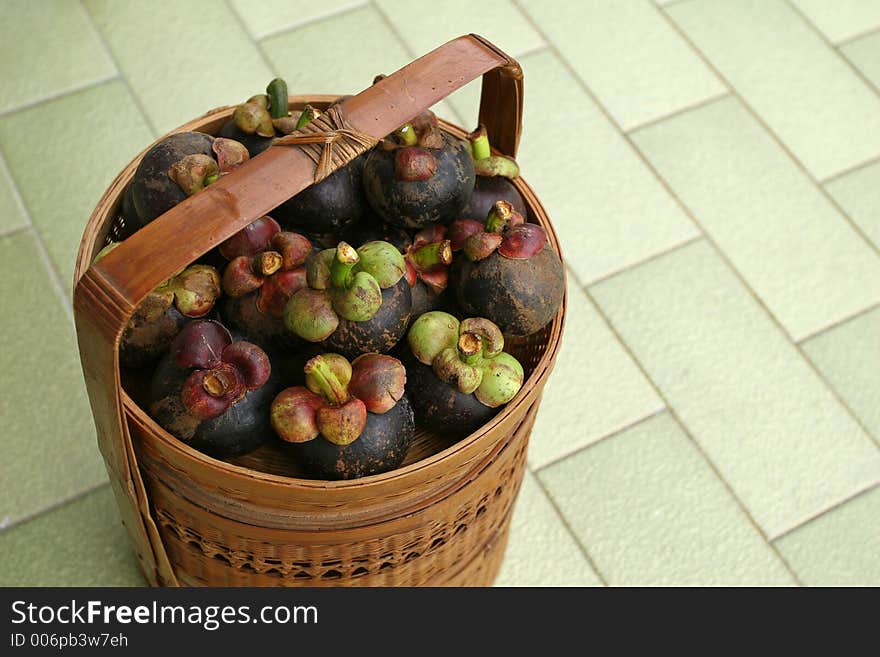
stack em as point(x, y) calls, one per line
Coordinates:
point(267, 263)
point(216, 383)
point(308, 115)
point(406, 135)
point(345, 260)
point(499, 216)
point(479, 139)
point(322, 374)
point(436, 253)
point(470, 348)
point(277, 92)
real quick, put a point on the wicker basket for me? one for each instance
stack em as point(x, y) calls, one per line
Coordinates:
point(440, 519)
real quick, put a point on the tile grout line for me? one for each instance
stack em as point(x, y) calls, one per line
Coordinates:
point(693, 441)
point(610, 325)
point(836, 506)
point(333, 13)
point(682, 110)
point(109, 52)
point(643, 261)
point(853, 169)
point(611, 434)
point(256, 43)
point(583, 548)
point(53, 507)
point(855, 37)
point(13, 231)
point(735, 93)
point(60, 94)
point(54, 274)
point(723, 257)
point(812, 26)
point(839, 323)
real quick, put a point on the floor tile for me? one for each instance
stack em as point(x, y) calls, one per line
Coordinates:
point(858, 193)
point(763, 416)
point(787, 240)
point(264, 17)
point(48, 435)
point(841, 19)
point(596, 388)
point(807, 95)
point(327, 70)
point(109, 132)
point(497, 20)
point(80, 544)
point(181, 58)
point(632, 59)
point(650, 511)
point(12, 215)
point(865, 54)
point(838, 548)
point(541, 551)
point(609, 209)
point(849, 357)
point(32, 65)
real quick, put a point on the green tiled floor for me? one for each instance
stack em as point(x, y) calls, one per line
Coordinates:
point(713, 417)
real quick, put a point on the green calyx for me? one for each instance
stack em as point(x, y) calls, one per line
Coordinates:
point(486, 164)
point(328, 375)
point(468, 355)
point(277, 93)
point(343, 282)
point(194, 172)
point(252, 118)
point(308, 115)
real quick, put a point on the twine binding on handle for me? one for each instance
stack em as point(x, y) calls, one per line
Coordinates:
point(329, 141)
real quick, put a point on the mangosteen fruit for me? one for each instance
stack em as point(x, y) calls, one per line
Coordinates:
point(461, 376)
point(357, 301)
point(349, 420)
point(494, 173)
point(256, 121)
point(259, 284)
point(420, 175)
point(179, 166)
point(329, 206)
point(191, 293)
point(214, 393)
point(508, 273)
point(427, 268)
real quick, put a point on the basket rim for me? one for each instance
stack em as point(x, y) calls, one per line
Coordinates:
point(539, 374)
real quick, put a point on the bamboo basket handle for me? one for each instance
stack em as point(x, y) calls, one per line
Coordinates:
point(107, 294)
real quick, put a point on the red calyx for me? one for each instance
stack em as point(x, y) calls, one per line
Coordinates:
point(429, 258)
point(460, 230)
point(377, 380)
point(224, 370)
point(522, 241)
point(414, 164)
point(277, 270)
point(250, 240)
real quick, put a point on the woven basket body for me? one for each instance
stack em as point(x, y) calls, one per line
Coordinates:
point(440, 519)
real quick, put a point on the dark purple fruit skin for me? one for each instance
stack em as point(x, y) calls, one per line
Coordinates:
point(378, 334)
point(424, 299)
point(255, 144)
point(440, 407)
point(373, 229)
point(382, 446)
point(241, 429)
point(520, 296)
point(439, 199)
point(332, 205)
point(153, 191)
point(144, 342)
point(241, 314)
point(128, 212)
point(488, 190)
